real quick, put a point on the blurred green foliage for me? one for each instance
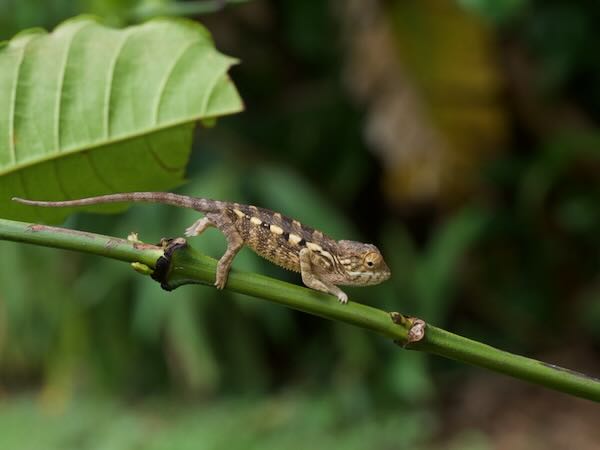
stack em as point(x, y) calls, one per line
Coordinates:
point(514, 264)
point(499, 11)
point(284, 421)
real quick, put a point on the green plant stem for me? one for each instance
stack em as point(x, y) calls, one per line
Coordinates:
point(188, 266)
point(441, 342)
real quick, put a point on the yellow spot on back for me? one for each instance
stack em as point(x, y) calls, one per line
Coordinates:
point(294, 238)
point(255, 220)
point(275, 229)
point(238, 213)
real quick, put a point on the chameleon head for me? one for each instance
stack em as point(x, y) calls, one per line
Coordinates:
point(362, 263)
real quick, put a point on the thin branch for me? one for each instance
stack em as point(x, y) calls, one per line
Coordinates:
point(189, 266)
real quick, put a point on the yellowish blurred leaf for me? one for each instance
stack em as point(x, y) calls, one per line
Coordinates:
point(427, 74)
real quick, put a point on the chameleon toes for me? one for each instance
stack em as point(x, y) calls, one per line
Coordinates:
point(198, 227)
point(343, 298)
point(220, 281)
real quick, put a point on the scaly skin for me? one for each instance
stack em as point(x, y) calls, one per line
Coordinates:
point(323, 262)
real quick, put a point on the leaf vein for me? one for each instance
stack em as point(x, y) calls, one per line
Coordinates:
point(165, 81)
point(37, 211)
point(108, 95)
point(59, 183)
point(211, 86)
point(157, 158)
point(61, 80)
point(97, 172)
point(108, 142)
point(12, 132)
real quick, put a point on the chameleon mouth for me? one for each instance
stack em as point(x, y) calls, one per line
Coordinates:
point(367, 278)
point(379, 277)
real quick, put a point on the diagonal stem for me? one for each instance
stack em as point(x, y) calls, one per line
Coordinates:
point(189, 266)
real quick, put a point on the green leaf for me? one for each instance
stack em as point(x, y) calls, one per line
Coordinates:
point(87, 109)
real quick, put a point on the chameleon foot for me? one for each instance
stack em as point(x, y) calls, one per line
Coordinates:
point(221, 281)
point(198, 227)
point(163, 264)
point(342, 297)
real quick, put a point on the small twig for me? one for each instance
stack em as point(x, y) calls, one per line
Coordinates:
point(415, 326)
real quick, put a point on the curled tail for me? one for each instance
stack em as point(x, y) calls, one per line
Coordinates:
point(167, 198)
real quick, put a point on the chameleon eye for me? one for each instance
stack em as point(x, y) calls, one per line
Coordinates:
point(371, 259)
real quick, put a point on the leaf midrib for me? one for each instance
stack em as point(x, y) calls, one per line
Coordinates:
point(124, 138)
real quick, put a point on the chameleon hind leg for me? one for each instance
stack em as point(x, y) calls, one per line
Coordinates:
point(311, 279)
point(234, 242)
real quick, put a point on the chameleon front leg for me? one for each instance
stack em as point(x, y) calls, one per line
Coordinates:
point(198, 227)
point(311, 279)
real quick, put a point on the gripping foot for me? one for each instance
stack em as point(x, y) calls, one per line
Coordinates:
point(163, 264)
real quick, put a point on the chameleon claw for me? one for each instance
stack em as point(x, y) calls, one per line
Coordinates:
point(220, 281)
point(342, 297)
point(198, 227)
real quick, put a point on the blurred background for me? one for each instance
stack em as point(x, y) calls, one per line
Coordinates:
point(460, 136)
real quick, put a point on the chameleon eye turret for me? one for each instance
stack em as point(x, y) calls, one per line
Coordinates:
point(323, 262)
point(372, 260)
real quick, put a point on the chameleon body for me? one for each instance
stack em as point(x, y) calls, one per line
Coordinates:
point(322, 261)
